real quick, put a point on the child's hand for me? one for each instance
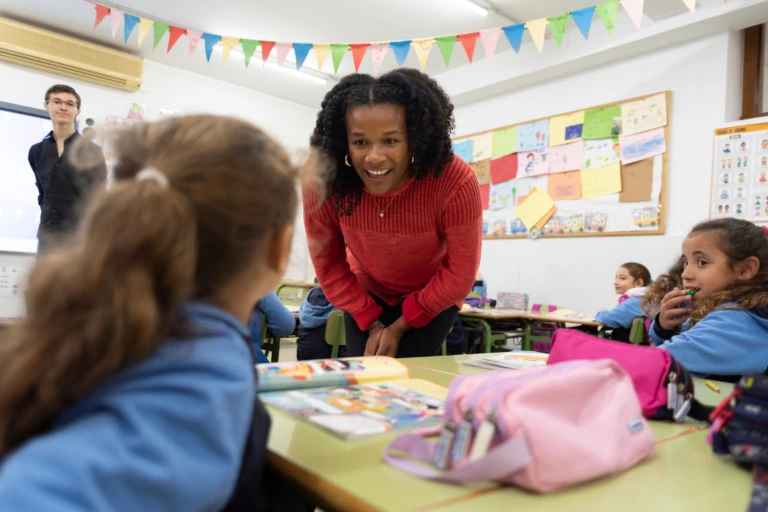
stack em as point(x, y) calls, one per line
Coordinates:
point(675, 309)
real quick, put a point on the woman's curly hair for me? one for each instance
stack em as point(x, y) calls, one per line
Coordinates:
point(428, 118)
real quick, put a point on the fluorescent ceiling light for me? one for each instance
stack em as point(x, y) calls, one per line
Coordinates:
point(271, 63)
point(476, 7)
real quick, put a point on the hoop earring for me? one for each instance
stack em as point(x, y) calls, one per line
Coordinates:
point(346, 160)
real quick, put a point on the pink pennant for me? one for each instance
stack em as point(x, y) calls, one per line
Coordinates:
point(635, 10)
point(101, 12)
point(115, 18)
point(282, 51)
point(378, 52)
point(490, 39)
point(193, 37)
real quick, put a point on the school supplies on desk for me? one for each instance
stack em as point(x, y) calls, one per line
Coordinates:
point(516, 360)
point(569, 314)
point(354, 397)
point(509, 300)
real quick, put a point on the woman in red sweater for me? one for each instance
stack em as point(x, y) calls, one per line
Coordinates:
point(396, 241)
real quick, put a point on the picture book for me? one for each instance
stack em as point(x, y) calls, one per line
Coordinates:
point(515, 360)
point(353, 397)
point(570, 315)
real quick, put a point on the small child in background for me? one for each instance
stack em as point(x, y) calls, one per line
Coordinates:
point(630, 284)
point(456, 342)
point(313, 316)
point(722, 330)
point(280, 322)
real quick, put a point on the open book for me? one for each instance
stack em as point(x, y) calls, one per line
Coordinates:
point(353, 397)
point(570, 314)
point(515, 360)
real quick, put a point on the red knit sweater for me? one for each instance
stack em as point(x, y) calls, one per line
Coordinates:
point(425, 251)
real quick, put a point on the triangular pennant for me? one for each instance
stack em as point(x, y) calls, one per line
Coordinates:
point(144, 26)
point(514, 35)
point(635, 10)
point(583, 19)
point(176, 33)
point(607, 11)
point(282, 51)
point(210, 41)
point(358, 52)
point(159, 31)
point(301, 50)
point(321, 52)
point(249, 48)
point(445, 44)
point(691, 4)
point(490, 38)
point(101, 12)
point(115, 17)
point(227, 45)
point(266, 47)
point(558, 27)
point(378, 52)
point(422, 47)
point(193, 37)
point(337, 52)
point(130, 23)
point(468, 41)
point(537, 28)
point(400, 49)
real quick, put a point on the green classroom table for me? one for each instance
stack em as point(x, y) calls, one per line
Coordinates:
point(682, 474)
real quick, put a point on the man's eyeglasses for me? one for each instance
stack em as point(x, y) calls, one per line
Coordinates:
point(57, 102)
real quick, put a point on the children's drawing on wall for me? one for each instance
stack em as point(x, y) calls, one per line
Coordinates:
point(764, 161)
point(762, 179)
point(503, 195)
point(739, 193)
point(498, 227)
point(726, 148)
point(616, 127)
point(739, 209)
point(743, 146)
point(516, 227)
point(533, 163)
point(724, 194)
point(647, 217)
point(742, 177)
point(600, 152)
point(724, 178)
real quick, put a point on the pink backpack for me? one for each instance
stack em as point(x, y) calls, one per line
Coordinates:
point(542, 429)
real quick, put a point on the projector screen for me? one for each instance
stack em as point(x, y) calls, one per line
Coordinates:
point(20, 128)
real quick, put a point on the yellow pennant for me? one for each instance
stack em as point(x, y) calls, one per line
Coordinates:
point(227, 43)
point(422, 47)
point(537, 29)
point(690, 4)
point(321, 52)
point(144, 26)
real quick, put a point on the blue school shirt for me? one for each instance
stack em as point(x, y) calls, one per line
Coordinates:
point(166, 434)
point(280, 322)
point(725, 342)
point(622, 315)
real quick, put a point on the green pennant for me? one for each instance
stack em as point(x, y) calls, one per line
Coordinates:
point(446, 44)
point(557, 23)
point(607, 11)
point(337, 51)
point(159, 31)
point(249, 46)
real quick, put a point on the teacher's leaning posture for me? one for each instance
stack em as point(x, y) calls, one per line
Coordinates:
point(395, 235)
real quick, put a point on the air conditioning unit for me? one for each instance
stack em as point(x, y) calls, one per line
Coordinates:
point(41, 49)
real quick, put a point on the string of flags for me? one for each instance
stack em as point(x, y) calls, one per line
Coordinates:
point(489, 38)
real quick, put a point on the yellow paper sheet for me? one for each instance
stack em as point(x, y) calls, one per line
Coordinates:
point(537, 204)
point(558, 124)
point(602, 181)
point(643, 115)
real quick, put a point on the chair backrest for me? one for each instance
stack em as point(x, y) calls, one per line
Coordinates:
point(334, 331)
point(293, 292)
point(637, 333)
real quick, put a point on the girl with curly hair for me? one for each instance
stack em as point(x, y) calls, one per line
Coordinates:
point(396, 241)
point(722, 329)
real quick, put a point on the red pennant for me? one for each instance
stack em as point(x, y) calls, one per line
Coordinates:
point(504, 168)
point(468, 41)
point(358, 52)
point(485, 195)
point(101, 13)
point(176, 33)
point(266, 47)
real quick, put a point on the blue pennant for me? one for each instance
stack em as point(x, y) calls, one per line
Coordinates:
point(400, 48)
point(130, 23)
point(583, 19)
point(514, 35)
point(301, 50)
point(210, 42)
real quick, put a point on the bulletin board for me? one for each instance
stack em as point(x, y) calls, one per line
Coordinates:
point(602, 170)
point(740, 172)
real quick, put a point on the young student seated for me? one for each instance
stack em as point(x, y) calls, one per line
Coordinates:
point(313, 316)
point(280, 322)
point(456, 342)
point(131, 385)
point(630, 282)
point(722, 330)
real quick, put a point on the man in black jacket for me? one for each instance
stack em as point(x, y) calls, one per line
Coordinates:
point(63, 187)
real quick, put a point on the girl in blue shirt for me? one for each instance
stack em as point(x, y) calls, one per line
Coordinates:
point(723, 329)
point(131, 385)
point(629, 283)
point(280, 322)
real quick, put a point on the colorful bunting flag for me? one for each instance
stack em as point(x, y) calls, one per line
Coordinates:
point(378, 52)
point(101, 12)
point(249, 48)
point(321, 52)
point(468, 41)
point(400, 49)
point(691, 4)
point(635, 10)
point(176, 33)
point(193, 37)
point(301, 50)
point(159, 31)
point(607, 11)
point(211, 40)
point(115, 17)
point(445, 44)
point(490, 38)
point(282, 51)
point(583, 19)
point(266, 47)
point(537, 28)
point(557, 23)
point(130, 23)
point(337, 54)
point(144, 26)
point(422, 47)
point(227, 45)
point(358, 52)
point(514, 35)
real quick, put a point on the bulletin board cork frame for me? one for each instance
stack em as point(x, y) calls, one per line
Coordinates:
point(659, 230)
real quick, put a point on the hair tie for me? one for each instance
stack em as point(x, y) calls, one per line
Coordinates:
point(154, 175)
point(765, 229)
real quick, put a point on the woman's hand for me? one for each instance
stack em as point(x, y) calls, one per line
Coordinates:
point(374, 338)
point(674, 310)
point(390, 338)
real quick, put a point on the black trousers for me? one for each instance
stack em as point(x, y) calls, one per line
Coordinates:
point(425, 341)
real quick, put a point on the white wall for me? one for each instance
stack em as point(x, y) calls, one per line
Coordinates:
point(578, 272)
point(167, 88)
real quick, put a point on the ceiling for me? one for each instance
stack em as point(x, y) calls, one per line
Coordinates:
point(313, 21)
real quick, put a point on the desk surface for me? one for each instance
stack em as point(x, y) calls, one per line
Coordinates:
point(683, 474)
point(513, 314)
